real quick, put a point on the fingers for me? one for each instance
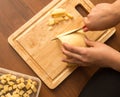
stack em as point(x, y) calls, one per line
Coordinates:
point(70, 54)
point(80, 50)
point(72, 61)
point(86, 22)
point(85, 29)
point(89, 43)
point(75, 55)
point(91, 25)
point(72, 49)
point(78, 55)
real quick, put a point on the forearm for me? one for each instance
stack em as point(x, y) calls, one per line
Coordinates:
point(117, 3)
point(116, 6)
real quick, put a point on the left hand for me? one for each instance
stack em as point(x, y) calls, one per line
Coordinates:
point(95, 54)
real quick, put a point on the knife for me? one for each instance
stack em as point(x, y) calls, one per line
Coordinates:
point(69, 32)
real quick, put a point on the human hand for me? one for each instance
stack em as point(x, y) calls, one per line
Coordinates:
point(103, 16)
point(95, 54)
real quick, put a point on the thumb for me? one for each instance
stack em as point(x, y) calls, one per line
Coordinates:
point(89, 43)
point(85, 29)
point(86, 22)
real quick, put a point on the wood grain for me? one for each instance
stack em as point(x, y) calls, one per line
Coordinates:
point(11, 19)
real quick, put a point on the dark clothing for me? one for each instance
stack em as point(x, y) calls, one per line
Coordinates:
point(104, 83)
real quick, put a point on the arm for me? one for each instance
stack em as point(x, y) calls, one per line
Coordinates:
point(103, 16)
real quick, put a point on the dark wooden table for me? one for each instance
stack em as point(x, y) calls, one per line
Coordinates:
point(13, 14)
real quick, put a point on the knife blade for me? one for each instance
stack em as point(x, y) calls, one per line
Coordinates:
point(69, 32)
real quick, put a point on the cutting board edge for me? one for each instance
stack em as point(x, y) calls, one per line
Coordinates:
point(107, 35)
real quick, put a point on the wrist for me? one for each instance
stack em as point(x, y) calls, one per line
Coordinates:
point(116, 63)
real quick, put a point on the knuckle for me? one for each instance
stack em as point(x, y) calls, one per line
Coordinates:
point(72, 49)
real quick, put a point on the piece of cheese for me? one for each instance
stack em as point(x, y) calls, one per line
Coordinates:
point(29, 92)
point(3, 81)
point(21, 85)
point(13, 77)
point(59, 12)
point(51, 22)
point(74, 39)
point(1, 86)
point(21, 92)
point(69, 15)
point(58, 15)
point(11, 83)
point(8, 95)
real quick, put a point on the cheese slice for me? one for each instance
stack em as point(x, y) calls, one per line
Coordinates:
point(58, 12)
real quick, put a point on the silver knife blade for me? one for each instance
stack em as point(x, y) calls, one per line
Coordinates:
point(67, 33)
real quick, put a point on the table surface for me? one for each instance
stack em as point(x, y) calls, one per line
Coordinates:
point(13, 14)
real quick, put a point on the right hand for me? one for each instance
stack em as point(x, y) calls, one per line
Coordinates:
point(102, 16)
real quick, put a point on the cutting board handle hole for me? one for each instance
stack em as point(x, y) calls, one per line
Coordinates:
point(81, 10)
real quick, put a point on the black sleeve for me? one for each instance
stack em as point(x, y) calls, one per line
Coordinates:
point(104, 83)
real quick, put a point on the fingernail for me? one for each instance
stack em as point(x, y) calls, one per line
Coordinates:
point(85, 28)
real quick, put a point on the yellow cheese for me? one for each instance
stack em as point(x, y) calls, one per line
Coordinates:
point(75, 39)
point(51, 22)
point(58, 12)
point(58, 15)
point(21, 85)
point(29, 92)
point(21, 92)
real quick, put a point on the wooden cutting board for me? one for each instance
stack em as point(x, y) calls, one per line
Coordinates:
point(33, 41)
